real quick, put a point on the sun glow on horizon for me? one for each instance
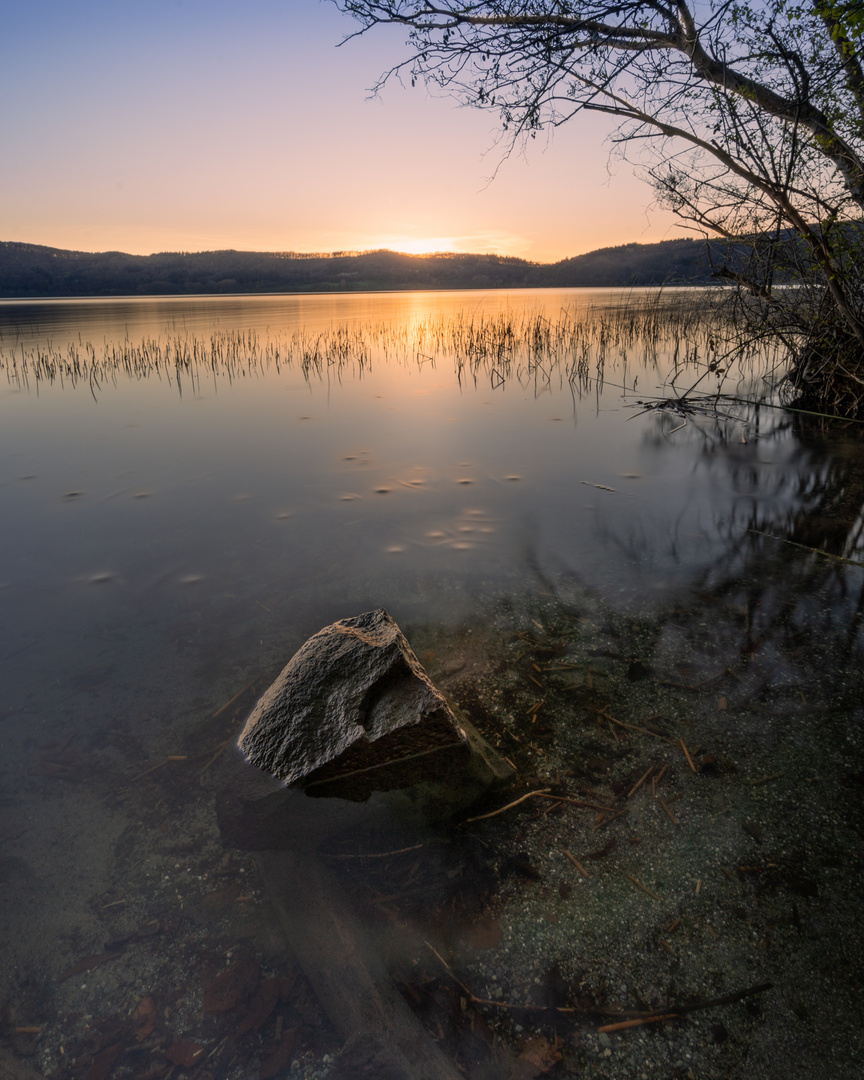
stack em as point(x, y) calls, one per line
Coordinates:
point(417, 245)
point(483, 242)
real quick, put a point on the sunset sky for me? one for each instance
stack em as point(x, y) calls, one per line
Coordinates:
point(194, 125)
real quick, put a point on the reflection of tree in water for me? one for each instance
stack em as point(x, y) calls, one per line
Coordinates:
point(768, 613)
point(794, 532)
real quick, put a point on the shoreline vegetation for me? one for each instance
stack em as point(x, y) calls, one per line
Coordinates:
point(572, 347)
point(721, 366)
point(32, 271)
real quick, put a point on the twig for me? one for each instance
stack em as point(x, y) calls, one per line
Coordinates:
point(644, 1020)
point(687, 755)
point(806, 547)
point(766, 779)
point(219, 1047)
point(13, 836)
point(635, 727)
point(509, 806)
point(381, 854)
point(681, 1010)
point(662, 773)
point(239, 694)
point(574, 802)
point(640, 782)
point(605, 816)
point(672, 817)
point(644, 888)
point(447, 968)
point(577, 864)
point(147, 772)
point(210, 760)
point(153, 768)
point(727, 999)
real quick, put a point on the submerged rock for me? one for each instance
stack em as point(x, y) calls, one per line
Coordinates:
point(354, 712)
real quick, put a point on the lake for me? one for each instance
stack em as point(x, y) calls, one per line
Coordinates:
point(191, 487)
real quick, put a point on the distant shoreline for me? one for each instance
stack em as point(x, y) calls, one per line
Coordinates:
point(35, 272)
point(347, 292)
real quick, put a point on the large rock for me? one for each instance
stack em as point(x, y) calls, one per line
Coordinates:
point(353, 713)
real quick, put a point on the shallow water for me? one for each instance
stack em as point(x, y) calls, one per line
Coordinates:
point(169, 539)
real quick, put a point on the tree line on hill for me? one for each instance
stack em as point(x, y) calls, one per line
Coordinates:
point(31, 270)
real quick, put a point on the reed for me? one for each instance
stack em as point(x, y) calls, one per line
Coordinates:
point(670, 333)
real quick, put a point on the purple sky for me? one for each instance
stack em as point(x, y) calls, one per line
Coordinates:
point(191, 125)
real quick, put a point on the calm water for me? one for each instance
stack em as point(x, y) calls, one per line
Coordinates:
point(165, 540)
point(261, 502)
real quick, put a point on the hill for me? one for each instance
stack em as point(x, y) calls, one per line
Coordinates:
point(31, 270)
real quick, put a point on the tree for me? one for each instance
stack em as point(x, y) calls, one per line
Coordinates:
point(747, 115)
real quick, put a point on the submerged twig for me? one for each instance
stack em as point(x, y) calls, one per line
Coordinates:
point(239, 694)
point(806, 547)
point(509, 806)
point(577, 864)
point(623, 1024)
point(644, 888)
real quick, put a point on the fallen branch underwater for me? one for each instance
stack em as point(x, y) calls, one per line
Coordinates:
point(806, 547)
point(676, 1012)
point(634, 1018)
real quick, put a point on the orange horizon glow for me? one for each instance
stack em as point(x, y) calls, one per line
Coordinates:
point(423, 245)
point(420, 248)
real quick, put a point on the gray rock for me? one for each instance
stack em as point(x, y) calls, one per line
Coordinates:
point(353, 712)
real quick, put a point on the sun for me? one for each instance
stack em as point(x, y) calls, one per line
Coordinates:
point(417, 245)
